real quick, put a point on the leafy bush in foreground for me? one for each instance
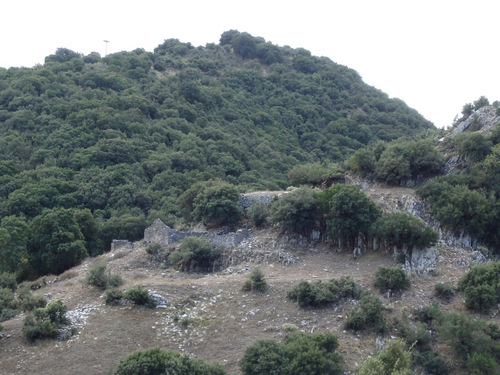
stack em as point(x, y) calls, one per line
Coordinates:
point(393, 359)
point(155, 361)
point(481, 286)
point(468, 335)
point(298, 354)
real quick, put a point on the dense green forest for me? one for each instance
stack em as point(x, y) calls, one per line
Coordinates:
point(95, 148)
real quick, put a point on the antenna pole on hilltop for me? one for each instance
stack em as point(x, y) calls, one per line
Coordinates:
point(106, 51)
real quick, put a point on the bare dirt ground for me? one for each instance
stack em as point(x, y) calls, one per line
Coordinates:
point(208, 316)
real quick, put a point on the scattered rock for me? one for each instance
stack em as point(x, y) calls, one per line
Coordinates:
point(161, 302)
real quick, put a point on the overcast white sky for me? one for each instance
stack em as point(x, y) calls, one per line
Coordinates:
point(436, 55)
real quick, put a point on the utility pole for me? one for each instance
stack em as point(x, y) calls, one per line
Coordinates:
point(106, 51)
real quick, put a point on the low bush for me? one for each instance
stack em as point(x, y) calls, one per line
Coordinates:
point(28, 301)
point(34, 329)
point(318, 293)
point(8, 304)
point(308, 294)
point(393, 359)
point(393, 278)
point(468, 335)
point(195, 254)
point(481, 286)
point(369, 314)
point(298, 354)
point(113, 296)
point(256, 282)
point(444, 291)
point(431, 362)
point(8, 314)
point(482, 364)
point(153, 249)
point(98, 276)
point(155, 361)
point(45, 322)
point(139, 296)
point(428, 314)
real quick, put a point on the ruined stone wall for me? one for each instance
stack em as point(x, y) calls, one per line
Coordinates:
point(160, 233)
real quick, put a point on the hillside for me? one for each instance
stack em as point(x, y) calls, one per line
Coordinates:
point(267, 156)
point(124, 135)
point(223, 320)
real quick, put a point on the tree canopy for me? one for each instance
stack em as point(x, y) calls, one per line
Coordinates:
point(125, 135)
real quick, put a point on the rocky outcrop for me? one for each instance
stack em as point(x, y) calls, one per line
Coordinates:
point(483, 120)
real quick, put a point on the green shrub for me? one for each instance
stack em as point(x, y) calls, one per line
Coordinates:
point(6, 299)
point(195, 254)
point(155, 361)
point(45, 322)
point(480, 298)
point(400, 229)
point(28, 301)
point(444, 291)
point(348, 212)
point(482, 364)
point(308, 294)
point(369, 314)
point(153, 249)
point(38, 329)
point(258, 214)
point(113, 296)
point(429, 313)
point(393, 359)
point(393, 278)
point(481, 286)
point(295, 212)
point(431, 362)
point(344, 287)
point(356, 320)
point(317, 294)
point(256, 282)
point(216, 202)
point(8, 314)
point(297, 354)
point(139, 296)
point(467, 335)
point(8, 280)
point(98, 276)
point(266, 356)
point(289, 327)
